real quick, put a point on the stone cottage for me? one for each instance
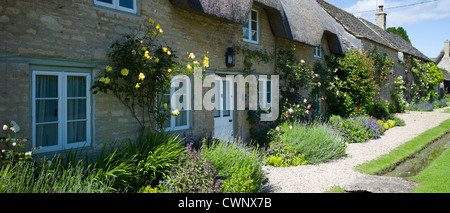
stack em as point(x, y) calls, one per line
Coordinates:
point(51, 51)
point(367, 35)
point(443, 62)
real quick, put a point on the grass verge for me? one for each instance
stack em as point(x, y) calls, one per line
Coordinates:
point(436, 177)
point(387, 162)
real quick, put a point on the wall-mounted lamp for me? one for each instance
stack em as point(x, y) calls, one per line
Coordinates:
point(229, 57)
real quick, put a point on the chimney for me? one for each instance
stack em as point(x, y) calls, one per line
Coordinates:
point(447, 49)
point(381, 18)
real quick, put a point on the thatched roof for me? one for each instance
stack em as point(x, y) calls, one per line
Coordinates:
point(298, 20)
point(362, 28)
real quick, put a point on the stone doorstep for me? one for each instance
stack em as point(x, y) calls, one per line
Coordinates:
point(381, 184)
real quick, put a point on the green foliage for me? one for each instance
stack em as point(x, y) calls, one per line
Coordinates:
point(251, 56)
point(424, 77)
point(357, 129)
point(192, 174)
point(10, 146)
point(281, 155)
point(399, 31)
point(384, 67)
point(380, 109)
point(315, 142)
point(398, 95)
point(30, 177)
point(351, 83)
point(239, 166)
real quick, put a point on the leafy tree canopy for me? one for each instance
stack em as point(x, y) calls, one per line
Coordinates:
point(399, 31)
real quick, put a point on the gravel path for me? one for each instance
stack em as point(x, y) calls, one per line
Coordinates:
point(318, 178)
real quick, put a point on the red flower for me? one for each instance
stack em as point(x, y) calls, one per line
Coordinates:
point(357, 108)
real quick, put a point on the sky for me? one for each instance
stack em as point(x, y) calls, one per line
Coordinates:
point(427, 22)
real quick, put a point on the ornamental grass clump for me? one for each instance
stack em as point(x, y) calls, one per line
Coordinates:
point(238, 165)
point(315, 142)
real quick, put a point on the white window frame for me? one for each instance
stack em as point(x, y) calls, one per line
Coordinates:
point(265, 83)
point(115, 5)
point(173, 126)
point(62, 111)
point(249, 40)
point(318, 51)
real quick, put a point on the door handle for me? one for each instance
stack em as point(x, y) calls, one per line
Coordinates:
point(230, 121)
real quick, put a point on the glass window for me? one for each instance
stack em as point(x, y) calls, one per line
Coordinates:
point(61, 108)
point(318, 51)
point(123, 5)
point(181, 121)
point(250, 28)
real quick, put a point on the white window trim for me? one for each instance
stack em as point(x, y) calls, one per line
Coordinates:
point(264, 88)
point(318, 51)
point(250, 27)
point(62, 114)
point(115, 5)
point(173, 126)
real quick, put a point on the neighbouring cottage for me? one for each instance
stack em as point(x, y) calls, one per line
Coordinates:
point(443, 62)
point(367, 35)
point(51, 51)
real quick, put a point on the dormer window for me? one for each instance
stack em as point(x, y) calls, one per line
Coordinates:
point(122, 5)
point(318, 51)
point(250, 29)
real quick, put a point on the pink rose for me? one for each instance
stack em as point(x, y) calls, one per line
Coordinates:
point(323, 99)
point(290, 111)
point(302, 61)
point(319, 84)
point(278, 129)
point(283, 89)
point(307, 111)
point(292, 90)
point(309, 106)
point(304, 101)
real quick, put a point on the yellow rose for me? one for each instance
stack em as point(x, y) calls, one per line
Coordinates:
point(158, 26)
point(169, 53)
point(108, 68)
point(124, 72)
point(161, 31)
point(141, 76)
point(165, 106)
point(175, 112)
point(206, 62)
point(102, 79)
point(169, 70)
point(164, 49)
point(151, 21)
point(191, 55)
point(152, 32)
point(189, 67)
point(107, 80)
point(196, 63)
point(146, 55)
point(137, 85)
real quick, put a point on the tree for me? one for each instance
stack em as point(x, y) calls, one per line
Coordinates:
point(399, 31)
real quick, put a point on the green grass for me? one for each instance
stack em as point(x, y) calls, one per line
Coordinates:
point(385, 162)
point(447, 110)
point(436, 177)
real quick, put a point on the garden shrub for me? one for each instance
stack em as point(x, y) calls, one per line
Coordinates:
point(380, 109)
point(192, 174)
point(281, 155)
point(10, 146)
point(237, 165)
point(358, 129)
point(316, 142)
point(352, 84)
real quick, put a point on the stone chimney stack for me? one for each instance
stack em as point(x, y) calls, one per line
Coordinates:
point(447, 49)
point(381, 18)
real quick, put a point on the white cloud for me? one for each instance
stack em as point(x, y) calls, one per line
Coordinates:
point(399, 14)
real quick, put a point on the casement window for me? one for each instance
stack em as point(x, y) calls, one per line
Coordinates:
point(250, 29)
point(122, 5)
point(182, 120)
point(267, 97)
point(318, 51)
point(61, 110)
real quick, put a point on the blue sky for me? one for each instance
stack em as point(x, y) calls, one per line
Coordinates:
point(427, 22)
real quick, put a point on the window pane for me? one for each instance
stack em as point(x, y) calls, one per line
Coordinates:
point(126, 3)
point(76, 109)
point(46, 135)
point(254, 16)
point(246, 25)
point(76, 131)
point(245, 33)
point(106, 1)
point(76, 86)
point(46, 111)
point(46, 86)
point(254, 36)
point(225, 101)
point(254, 25)
point(181, 119)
